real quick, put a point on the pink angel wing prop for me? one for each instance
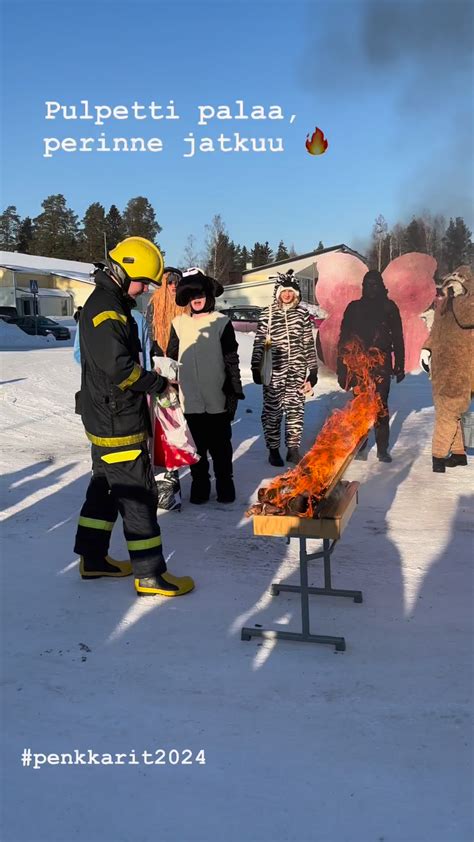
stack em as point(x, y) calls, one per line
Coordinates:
point(409, 280)
point(339, 282)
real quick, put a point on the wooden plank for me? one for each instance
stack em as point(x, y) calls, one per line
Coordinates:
point(331, 524)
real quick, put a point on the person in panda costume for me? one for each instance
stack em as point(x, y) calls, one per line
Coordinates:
point(286, 327)
point(204, 344)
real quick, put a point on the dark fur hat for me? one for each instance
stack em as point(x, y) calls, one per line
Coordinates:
point(193, 284)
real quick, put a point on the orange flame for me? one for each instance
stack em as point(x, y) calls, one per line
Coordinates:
point(339, 436)
point(318, 143)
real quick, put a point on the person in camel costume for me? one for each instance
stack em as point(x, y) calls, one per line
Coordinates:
point(448, 354)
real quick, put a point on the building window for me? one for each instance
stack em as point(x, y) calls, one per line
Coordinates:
point(307, 290)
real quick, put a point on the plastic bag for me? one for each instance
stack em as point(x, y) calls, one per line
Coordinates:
point(266, 365)
point(173, 444)
point(167, 367)
point(169, 491)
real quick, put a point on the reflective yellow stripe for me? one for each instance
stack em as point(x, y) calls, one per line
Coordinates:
point(116, 441)
point(146, 544)
point(121, 456)
point(92, 523)
point(132, 378)
point(108, 314)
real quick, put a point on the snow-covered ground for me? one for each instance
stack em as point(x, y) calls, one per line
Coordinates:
point(301, 743)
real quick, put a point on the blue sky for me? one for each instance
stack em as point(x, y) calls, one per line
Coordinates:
point(397, 120)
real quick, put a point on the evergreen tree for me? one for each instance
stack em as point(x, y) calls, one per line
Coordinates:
point(320, 246)
point(282, 251)
point(415, 236)
point(245, 257)
point(9, 229)
point(261, 254)
point(56, 231)
point(114, 227)
point(140, 220)
point(25, 235)
point(92, 247)
point(457, 244)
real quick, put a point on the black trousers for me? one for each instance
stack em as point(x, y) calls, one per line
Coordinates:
point(122, 481)
point(382, 422)
point(212, 435)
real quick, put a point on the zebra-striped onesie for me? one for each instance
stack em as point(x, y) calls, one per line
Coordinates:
point(293, 355)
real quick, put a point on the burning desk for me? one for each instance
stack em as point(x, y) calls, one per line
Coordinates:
point(313, 500)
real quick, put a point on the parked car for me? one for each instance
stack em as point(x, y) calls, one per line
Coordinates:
point(244, 319)
point(316, 321)
point(43, 326)
point(7, 313)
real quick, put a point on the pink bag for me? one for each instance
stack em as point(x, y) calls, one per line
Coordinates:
point(173, 444)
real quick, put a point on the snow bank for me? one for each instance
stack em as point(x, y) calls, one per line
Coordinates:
point(11, 336)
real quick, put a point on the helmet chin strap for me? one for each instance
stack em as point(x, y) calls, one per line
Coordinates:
point(119, 275)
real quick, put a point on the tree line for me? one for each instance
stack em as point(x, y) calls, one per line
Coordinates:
point(448, 242)
point(57, 232)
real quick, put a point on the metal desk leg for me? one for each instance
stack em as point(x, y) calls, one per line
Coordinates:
point(328, 590)
point(305, 636)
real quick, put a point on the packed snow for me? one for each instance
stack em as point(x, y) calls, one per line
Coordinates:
point(300, 742)
point(12, 336)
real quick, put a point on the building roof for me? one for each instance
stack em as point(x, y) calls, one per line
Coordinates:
point(341, 247)
point(37, 265)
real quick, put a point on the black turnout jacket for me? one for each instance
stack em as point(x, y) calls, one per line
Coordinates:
point(112, 400)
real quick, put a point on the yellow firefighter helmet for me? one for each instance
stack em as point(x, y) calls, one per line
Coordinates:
point(139, 258)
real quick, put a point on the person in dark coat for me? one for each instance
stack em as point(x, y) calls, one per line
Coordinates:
point(205, 346)
point(375, 321)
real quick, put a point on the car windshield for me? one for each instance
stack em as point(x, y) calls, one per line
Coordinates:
point(44, 321)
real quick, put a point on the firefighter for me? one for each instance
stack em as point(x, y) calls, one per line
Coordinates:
point(113, 405)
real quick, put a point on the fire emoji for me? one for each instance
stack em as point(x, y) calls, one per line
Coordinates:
point(318, 143)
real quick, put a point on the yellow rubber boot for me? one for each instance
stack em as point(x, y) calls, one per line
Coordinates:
point(164, 585)
point(104, 567)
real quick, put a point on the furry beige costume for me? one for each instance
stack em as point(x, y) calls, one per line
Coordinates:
point(451, 343)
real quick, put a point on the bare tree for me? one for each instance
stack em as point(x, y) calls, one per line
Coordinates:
point(191, 256)
point(379, 234)
point(397, 235)
point(220, 252)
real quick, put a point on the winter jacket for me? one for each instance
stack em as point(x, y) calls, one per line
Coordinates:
point(112, 400)
point(143, 334)
point(451, 343)
point(209, 375)
point(377, 324)
point(292, 344)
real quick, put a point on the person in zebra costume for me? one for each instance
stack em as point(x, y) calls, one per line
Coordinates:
point(286, 327)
